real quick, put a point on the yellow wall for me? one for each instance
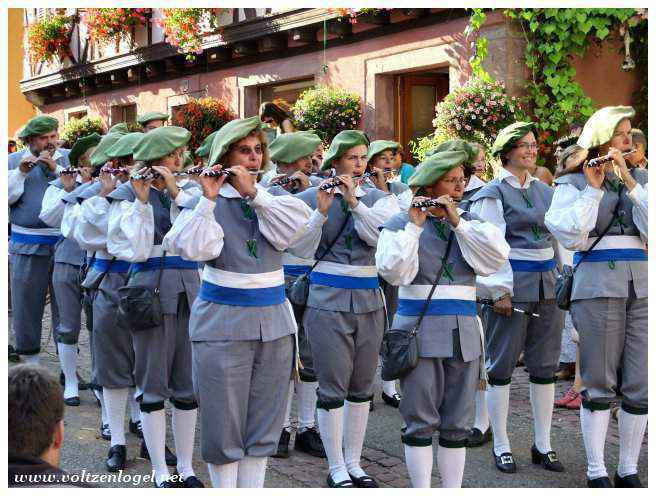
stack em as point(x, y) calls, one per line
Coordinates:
point(20, 110)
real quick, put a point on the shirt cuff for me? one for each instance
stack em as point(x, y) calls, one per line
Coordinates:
point(413, 229)
point(317, 220)
point(263, 199)
point(637, 193)
point(594, 194)
point(462, 227)
point(205, 207)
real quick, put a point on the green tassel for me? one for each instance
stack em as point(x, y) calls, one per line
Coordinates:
point(248, 210)
point(440, 228)
point(448, 271)
point(537, 235)
point(611, 264)
point(527, 200)
point(345, 207)
point(251, 244)
point(165, 201)
point(348, 241)
point(614, 185)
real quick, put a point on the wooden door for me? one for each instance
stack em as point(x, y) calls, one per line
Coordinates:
point(416, 99)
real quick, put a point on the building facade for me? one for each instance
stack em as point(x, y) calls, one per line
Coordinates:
point(19, 109)
point(401, 62)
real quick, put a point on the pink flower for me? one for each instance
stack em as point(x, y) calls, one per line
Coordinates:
point(468, 127)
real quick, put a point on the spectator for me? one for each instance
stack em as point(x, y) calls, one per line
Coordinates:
point(276, 118)
point(36, 428)
point(639, 157)
point(405, 170)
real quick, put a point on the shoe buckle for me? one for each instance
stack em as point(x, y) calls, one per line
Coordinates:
point(505, 459)
point(553, 458)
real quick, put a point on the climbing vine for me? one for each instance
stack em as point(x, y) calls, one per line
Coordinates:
point(553, 38)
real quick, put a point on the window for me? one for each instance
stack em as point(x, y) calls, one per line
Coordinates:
point(288, 93)
point(123, 113)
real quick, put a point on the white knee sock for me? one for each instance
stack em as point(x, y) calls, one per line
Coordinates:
point(68, 361)
point(252, 470)
point(632, 430)
point(307, 404)
point(481, 419)
point(451, 464)
point(288, 408)
point(115, 400)
point(542, 400)
point(31, 359)
point(355, 427)
point(183, 423)
point(331, 426)
point(594, 425)
point(498, 398)
point(103, 409)
point(389, 388)
point(223, 476)
point(135, 412)
point(154, 431)
point(419, 462)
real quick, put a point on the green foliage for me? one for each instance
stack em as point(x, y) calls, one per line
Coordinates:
point(327, 111)
point(78, 128)
point(476, 20)
point(639, 51)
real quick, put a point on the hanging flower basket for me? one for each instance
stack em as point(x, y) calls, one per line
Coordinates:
point(113, 25)
point(49, 38)
point(202, 116)
point(186, 28)
point(367, 15)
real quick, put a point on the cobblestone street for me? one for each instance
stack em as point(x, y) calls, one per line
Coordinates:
point(84, 449)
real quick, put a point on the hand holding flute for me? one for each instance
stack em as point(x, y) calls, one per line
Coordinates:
point(441, 207)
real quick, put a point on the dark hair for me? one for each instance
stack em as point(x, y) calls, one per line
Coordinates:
point(639, 137)
point(269, 109)
point(575, 125)
point(36, 406)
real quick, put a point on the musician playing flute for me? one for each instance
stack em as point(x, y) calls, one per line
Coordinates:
point(345, 316)
point(516, 202)
point(438, 395)
point(609, 293)
point(32, 241)
point(242, 327)
point(139, 218)
point(68, 260)
point(292, 154)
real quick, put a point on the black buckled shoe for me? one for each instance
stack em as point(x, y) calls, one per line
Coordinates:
point(548, 460)
point(344, 483)
point(599, 482)
point(309, 441)
point(477, 438)
point(191, 482)
point(631, 480)
point(364, 481)
point(105, 433)
point(135, 428)
point(72, 401)
point(505, 462)
point(116, 458)
point(393, 401)
point(283, 445)
point(167, 484)
point(171, 459)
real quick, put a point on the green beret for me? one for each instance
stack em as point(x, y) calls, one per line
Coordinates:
point(452, 145)
point(99, 156)
point(435, 166)
point(380, 146)
point(160, 142)
point(81, 146)
point(204, 149)
point(342, 142)
point(601, 125)
point(509, 135)
point(124, 147)
point(39, 125)
point(152, 116)
point(289, 147)
point(121, 127)
point(230, 133)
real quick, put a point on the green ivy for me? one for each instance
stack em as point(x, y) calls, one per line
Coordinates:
point(553, 36)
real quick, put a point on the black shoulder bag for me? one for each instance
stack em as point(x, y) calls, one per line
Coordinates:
point(139, 307)
point(565, 280)
point(400, 349)
point(300, 288)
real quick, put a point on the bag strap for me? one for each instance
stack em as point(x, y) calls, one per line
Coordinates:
point(330, 246)
point(610, 224)
point(415, 329)
point(159, 275)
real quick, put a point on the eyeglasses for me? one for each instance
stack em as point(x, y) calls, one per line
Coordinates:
point(527, 146)
point(455, 181)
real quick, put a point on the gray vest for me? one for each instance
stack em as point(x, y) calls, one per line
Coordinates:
point(524, 211)
point(67, 250)
point(25, 212)
point(245, 251)
point(348, 249)
point(610, 279)
point(440, 335)
point(465, 203)
point(174, 281)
